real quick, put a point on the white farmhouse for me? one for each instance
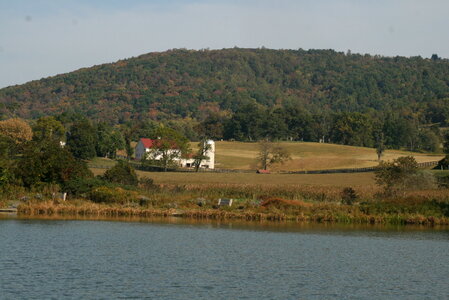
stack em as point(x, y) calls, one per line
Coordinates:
point(145, 146)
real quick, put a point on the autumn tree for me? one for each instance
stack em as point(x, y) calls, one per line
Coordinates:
point(16, 129)
point(271, 153)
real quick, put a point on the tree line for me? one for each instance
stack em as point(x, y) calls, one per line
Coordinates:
point(252, 122)
point(185, 85)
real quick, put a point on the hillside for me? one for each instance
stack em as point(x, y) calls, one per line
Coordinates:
point(186, 83)
point(308, 156)
point(304, 156)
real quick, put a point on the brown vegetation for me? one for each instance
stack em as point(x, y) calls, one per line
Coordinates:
point(255, 202)
point(16, 129)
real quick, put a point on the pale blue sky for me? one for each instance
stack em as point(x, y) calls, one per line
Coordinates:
point(40, 38)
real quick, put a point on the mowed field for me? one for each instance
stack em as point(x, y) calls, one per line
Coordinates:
point(308, 156)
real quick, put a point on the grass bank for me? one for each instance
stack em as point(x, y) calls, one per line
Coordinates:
point(324, 204)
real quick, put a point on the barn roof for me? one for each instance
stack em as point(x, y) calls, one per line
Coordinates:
point(147, 143)
point(150, 143)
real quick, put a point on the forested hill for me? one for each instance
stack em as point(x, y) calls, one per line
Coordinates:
point(191, 84)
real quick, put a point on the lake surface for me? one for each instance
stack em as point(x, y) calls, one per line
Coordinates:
point(166, 259)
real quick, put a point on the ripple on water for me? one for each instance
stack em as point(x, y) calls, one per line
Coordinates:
point(90, 260)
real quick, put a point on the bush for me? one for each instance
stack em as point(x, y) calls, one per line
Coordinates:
point(82, 186)
point(443, 181)
point(147, 184)
point(348, 196)
point(122, 173)
point(422, 180)
point(397, 175)
point(104, 194)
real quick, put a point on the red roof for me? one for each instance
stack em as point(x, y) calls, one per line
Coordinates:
point(147, 143)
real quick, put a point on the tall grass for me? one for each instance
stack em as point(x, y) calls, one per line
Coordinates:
point(255, 202)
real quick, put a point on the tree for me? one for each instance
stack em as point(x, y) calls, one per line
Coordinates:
point(446, 143)
point(108, 141)
point(396, 175)
point(122, 173)
point(246, 123)
point(444, 163)
point(270, 153)
point(168, 148)
point(203, 148)
point(380, 146)
point(353, 129)
point(46, 161)
point(48, 128)
point(8, 149)
point(81, 140)
point(428, 140)
point(212, 126)
point(16, 129)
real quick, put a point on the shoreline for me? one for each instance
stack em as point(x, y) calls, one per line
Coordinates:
point(322, 216)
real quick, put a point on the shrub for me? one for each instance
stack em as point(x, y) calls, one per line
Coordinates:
point(443, 181)
point(82, 186)
point(348, 196)
point(397, 175)
point(122, 173)
point(421, 180)
point(147, 184)
point(104, 194)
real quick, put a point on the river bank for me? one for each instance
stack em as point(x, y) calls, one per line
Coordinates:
point(428, 213)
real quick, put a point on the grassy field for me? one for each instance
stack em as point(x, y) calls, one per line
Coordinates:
point(305, 156)
point(341, 180)
point(308, 156)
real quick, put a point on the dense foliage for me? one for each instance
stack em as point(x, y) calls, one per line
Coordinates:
point(122, 173)
point(249, 94)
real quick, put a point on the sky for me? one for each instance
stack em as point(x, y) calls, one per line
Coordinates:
point(41, 38)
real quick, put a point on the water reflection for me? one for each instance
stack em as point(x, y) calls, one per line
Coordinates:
point(271, 226)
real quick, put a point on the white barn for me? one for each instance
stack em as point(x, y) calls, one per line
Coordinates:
point(145, 146)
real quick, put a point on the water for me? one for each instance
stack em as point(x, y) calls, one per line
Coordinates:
point(85, 259)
